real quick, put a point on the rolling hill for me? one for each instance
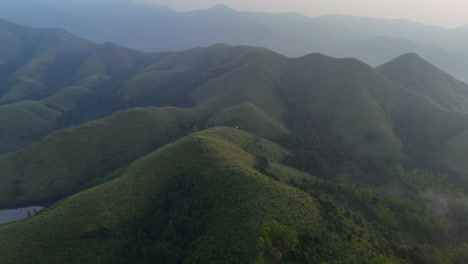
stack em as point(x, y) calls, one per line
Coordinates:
point(228, 154)
point(217, 206)
point(215, 158)
point(378, 50)
point(373, 114)
point(413, 72)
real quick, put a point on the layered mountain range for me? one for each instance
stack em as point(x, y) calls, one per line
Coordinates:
point(227, 154)
point(152, 27)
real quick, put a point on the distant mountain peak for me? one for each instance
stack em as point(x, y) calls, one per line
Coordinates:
point(409, 58)
point(410, 55)
point(221, 7)
point(412, 66)
point(415, 73)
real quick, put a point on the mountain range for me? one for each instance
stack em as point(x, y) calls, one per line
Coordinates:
point(152, 27)
point(227, 154)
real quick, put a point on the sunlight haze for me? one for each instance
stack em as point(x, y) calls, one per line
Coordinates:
point(444, 13)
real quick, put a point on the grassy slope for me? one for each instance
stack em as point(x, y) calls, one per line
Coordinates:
point(249, 118)
point(45, 61)
point(440, 131)
point(119, 78)
point(359, 104)
point(215, 161)
point(69, 150)
point(171, 79)
point(218, 183)
point(24, 122)
point(373, 113)
point(112, 61)
point(67, 160)
point(221, 77)
point(27, 121)
point(60, 96)
point(344, 93)
point(256, 82)
point(413, 72)
point(66, 99)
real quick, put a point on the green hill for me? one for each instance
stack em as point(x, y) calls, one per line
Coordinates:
point(24, 122)
point(219, 205)
point(71, 159)
point(378, 50)
point(248, 117)
point(413, 72)
point(220, 196)
point(42, 62)
point(232, 198)
point(27, 121)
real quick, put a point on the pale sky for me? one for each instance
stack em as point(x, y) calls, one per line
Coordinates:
point(444, 13)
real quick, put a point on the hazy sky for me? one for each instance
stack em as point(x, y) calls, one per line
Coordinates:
point(445, 13)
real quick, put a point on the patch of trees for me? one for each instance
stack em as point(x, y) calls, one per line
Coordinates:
point(350, 212)
point(168, 223)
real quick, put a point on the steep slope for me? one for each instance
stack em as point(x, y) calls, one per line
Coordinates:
point(413, 72)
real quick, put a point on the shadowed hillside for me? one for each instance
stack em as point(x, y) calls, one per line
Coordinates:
point(413, 72)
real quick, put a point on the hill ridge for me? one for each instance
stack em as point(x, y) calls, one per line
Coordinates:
point(413, 72)
point(213, 157)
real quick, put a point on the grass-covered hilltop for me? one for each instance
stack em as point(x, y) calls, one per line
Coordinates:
point(227, 154)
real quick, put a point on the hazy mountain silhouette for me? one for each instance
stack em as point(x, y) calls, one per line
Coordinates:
point(153, 27)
